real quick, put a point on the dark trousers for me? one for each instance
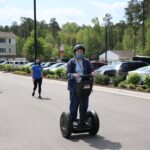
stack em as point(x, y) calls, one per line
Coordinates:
point(39, 83)
point(75, 103)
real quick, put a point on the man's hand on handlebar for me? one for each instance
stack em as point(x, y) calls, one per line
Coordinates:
point(76, 75)
point(94, 73)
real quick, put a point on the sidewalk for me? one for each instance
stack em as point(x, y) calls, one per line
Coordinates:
point(123, 92)
point(111, 90)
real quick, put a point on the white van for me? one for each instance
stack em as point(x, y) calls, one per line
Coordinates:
point(18, 63)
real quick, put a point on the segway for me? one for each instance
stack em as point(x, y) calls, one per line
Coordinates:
point(87, 122)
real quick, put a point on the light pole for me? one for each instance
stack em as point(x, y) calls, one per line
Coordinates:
point(107, 24)
point(106, 41)
point(35, 34)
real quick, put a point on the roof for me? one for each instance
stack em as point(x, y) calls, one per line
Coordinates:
point(7, 35)
point(123, 53)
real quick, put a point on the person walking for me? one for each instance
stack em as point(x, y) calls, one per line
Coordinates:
point(37, 77)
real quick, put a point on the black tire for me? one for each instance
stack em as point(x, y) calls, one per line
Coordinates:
point(93, 119)
point(66, 125)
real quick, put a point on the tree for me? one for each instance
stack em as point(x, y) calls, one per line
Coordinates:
point(118, 32)
point(128, 42)
point(19, 46)
point(29, 48)
point(147, 47)
point(6, 28)
point(134, 12)
point(26, 27)
point(15, 28)
point(54, 27)
point(68, 34)
point(1, 28)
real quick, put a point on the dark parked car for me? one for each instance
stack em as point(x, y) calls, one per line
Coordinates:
point(97, 64)
point(123, 67)
point(142, 58)
point(1, 61)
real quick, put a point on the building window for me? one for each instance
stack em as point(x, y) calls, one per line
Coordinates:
point(9, 50)
point(9, 40)
point(2, 40)
point(2, 50)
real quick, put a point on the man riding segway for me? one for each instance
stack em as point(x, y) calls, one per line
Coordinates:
point(80, 83)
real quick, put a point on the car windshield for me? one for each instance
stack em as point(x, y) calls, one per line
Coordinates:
point(117, 66)
point(147, 70)
point(106, 67)
point(56, 65)
point(64, 65)
point(45, 65)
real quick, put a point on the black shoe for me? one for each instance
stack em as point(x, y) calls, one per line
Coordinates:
point(33, 93)
point(40, 97)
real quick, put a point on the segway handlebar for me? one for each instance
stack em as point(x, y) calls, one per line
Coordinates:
point(86, 75)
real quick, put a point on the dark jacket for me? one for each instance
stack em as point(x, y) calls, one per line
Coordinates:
point(71, 68)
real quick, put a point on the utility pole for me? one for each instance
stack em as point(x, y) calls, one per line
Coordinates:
point(35, 34)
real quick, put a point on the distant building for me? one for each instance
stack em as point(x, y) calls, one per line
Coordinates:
point(113, 55)
point(7, 45)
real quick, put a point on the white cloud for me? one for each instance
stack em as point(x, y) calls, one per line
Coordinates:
point(10, 14)
point(115, 9)
point(66, 14)
point(61, 14)
point(2, 1)
point(109, 7)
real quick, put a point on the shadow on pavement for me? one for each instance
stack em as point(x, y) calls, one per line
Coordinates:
point(43, 98)
point(97, 141)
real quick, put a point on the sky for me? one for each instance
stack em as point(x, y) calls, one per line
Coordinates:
point(79, 11)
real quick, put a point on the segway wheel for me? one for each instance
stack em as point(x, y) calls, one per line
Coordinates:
point(93, 120)
point(66, 125)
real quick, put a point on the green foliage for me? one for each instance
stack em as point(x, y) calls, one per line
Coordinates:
point(147, 46)
point(147, 81)
point(2, 67)
point(134, 79)
point(48, 72)
point(101, 79)
point(147, 90)
point(50, 76)
point(64, 74)
point(8, 68)
point(128, 38)
point(92, 41)
point(29, 47)
point(59, 72)
point(116, 80)
point(25, 69)
point(122, 85)
point(139, 88)
point(20, 72)
point(131, 86)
